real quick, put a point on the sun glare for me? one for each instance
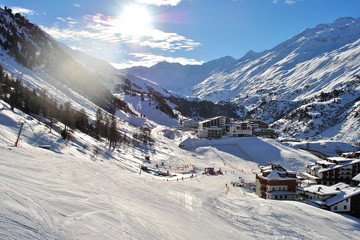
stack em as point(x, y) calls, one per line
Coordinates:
point(135, 20)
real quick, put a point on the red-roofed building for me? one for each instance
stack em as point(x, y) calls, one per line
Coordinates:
point(275, 182)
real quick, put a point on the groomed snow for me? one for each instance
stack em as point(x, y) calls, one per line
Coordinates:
point(66, 193)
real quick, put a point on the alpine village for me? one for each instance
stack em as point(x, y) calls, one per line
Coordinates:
point(265, 146)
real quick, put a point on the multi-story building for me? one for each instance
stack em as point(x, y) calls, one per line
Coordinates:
point(261, 129)
point(214, 127)
point(275, 182)
point(332, 170)
point(223, 126)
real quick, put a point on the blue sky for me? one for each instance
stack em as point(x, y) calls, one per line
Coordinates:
point(143, 32)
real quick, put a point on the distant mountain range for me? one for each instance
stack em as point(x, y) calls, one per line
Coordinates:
point(284, 85)
point(302, 61)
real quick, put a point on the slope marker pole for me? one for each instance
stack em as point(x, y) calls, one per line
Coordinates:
point(17, 140)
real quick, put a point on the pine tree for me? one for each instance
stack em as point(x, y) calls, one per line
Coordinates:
point(82, 121)
point(114, 135)
point(68, 119)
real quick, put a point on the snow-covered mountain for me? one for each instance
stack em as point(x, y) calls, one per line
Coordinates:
point(278, 84)
point(177, 77)
point(307, 86)
point(51, 188)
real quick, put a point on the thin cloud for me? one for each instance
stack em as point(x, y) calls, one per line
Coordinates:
point(105, 28)
point(160, 2)
point(148, 60)
point(290, 2)
point(61, 19)
point(69, 20)
point(76, 5)
point(23, 11)
point(105, 31)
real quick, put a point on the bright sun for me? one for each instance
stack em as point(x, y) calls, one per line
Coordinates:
point(135, 20)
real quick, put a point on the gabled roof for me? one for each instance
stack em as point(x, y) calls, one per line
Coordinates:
point(342, 162)
point(341, 191)
point(344, 194)
point(273, 172)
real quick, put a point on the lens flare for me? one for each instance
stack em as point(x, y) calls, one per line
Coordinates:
point(135, 20)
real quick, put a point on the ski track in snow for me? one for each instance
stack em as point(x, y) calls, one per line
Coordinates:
point(66, 193)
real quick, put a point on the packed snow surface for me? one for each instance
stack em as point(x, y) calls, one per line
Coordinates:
point(69, 193)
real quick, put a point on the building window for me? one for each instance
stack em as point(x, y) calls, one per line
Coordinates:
point(335, 208)
point(345, 207)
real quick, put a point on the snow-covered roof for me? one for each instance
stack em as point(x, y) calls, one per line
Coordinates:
point(339, 159)
point(273, 175)
point(271, 172)
point(341, 162)
point(344, 194)
point(324, 162)
point(210, 119)
point(281, 193)
point(305, 174)
point(356, 178)
point(341, 191)
point(320, 189)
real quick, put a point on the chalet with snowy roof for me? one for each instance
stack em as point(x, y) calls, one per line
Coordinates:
point(332, 171)
point(223, 126)
point(340, 197)
point(275, 182)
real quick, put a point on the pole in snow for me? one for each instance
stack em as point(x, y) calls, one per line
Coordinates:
point(17, 140)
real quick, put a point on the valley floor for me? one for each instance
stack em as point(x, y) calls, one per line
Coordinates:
point(66, 193)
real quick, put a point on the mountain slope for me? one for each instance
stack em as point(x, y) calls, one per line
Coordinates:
point(69, 193)
point(278, 85)
point(314, 60)
point(81, 189)
point(177, 77)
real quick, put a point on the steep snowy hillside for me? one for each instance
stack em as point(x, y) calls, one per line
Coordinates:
point(68, 192)
point(34, 50)
point(40, 62)
point(317, 59)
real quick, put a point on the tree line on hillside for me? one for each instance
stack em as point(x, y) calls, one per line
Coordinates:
point(205, 109)
point(36, 102)
point(20, 44)
point(197, 108)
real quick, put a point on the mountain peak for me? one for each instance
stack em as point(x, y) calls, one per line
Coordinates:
point(343, 21)
point(250, 54)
